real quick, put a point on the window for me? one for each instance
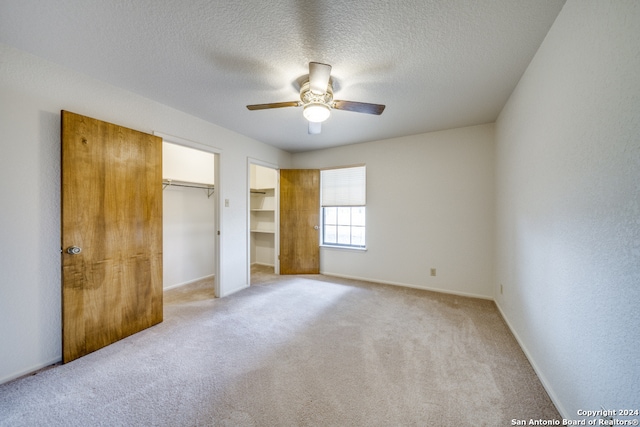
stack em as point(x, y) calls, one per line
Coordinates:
point(343, 199)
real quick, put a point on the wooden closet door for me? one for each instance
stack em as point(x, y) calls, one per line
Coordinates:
point(299, 221)
point(112, 215)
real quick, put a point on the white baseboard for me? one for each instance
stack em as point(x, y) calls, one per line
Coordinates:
point(543, 379)
point(408, 285)
point(177, 285)
point(263, 264)
point(29, 371)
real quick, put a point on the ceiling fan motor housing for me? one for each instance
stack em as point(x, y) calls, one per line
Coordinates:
point(308, 97)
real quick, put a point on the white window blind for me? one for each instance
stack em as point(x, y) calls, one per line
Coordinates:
point(344, 186)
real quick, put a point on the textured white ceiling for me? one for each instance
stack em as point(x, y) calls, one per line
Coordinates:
point(435, 64)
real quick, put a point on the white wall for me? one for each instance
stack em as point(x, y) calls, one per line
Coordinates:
point(263, 177)
point(186, 164)
point(188, 235)
point(430, 204)
point(568, 207)
point(32, 93)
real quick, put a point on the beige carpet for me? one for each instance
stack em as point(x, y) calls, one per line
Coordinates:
point(295, 351)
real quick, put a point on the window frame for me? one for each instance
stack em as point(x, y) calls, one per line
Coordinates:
point(338, 224)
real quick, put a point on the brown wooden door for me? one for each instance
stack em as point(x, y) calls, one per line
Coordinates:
point(112, 211)
point(299, 221)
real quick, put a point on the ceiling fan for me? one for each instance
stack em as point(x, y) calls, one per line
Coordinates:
point(316, 96)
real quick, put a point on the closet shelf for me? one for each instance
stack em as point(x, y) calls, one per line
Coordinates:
point(264, 231)
point(263, 191)
point(170, 182)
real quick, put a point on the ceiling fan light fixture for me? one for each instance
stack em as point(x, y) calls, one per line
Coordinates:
point(316, 112)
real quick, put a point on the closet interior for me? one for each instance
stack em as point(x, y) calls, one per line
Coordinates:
point(263, 217)
point(189, 216)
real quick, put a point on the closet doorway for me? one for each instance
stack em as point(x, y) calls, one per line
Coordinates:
point(263, 221)
point(190, 221)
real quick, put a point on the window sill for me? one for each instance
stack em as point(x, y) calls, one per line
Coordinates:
point(344, 248)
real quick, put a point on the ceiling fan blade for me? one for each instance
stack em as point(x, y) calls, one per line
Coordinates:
point(273, 105)
point(315, 128)
point(319, 75)
point(359, 107)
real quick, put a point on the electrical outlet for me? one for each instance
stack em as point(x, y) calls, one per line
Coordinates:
point(433, 271)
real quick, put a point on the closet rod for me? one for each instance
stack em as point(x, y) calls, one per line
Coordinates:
point(168, 182)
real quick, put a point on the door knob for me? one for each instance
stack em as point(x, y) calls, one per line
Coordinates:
point(315, 227)
point(74, 250)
